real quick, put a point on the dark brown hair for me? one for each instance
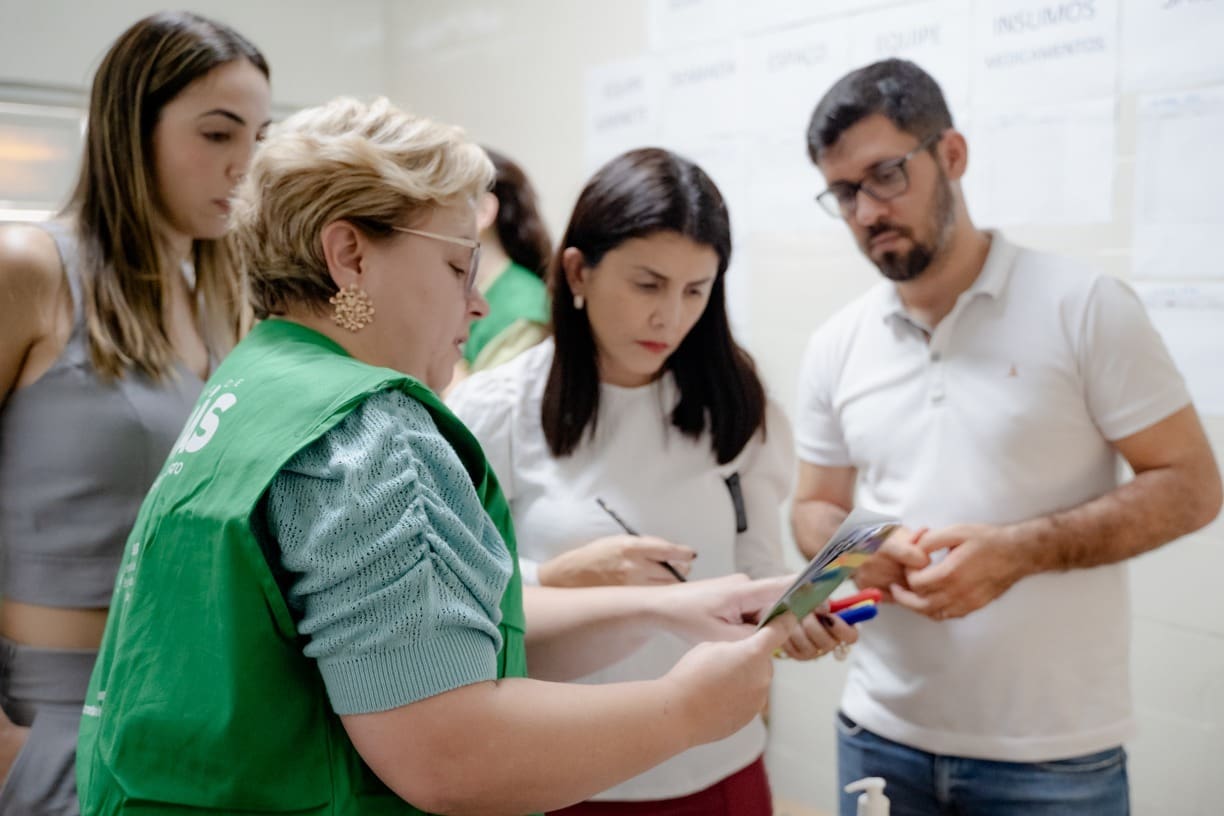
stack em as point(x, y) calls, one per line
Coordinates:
point(114, 202)
point(895, 88)
point(520, 228)
point(636, 195)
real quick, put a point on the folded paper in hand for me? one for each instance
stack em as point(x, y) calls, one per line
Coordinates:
point(856, 540)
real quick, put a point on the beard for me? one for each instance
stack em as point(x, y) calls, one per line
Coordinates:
point(900, 267)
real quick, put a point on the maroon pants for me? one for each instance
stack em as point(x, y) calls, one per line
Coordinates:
point(743, 793)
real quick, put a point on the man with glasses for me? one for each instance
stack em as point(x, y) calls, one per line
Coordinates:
point(982, 394)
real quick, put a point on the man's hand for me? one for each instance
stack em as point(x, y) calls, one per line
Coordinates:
point(898, 555)
point(981, 564)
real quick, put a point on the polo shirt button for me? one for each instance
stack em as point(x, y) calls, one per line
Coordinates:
point(937, 396)
point(935, 356)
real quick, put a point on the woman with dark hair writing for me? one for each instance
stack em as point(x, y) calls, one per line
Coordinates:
point(638, 445)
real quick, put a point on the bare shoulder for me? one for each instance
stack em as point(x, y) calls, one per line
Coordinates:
point(30, 267)
point(33, 296)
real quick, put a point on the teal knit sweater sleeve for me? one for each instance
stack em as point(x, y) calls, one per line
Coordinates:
point(395, 570)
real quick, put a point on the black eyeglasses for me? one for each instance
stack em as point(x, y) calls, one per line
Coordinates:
point(884, 182)
point(469, 282)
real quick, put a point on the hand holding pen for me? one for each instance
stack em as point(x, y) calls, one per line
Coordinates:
point(618, 560)
point(685, 552)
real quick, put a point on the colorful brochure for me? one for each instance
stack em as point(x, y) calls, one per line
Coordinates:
point(856, 540)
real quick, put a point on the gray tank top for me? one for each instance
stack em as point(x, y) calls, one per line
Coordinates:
point(77, 456)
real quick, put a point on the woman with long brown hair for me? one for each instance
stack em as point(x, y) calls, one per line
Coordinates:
point(112, 317)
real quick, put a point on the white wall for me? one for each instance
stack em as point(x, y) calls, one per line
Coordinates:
point(317, 49)
point(513, 73)
point(50, 49)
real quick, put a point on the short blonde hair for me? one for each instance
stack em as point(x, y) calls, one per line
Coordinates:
point(369, 163)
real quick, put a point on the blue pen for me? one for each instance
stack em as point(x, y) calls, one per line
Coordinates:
point(858, 614)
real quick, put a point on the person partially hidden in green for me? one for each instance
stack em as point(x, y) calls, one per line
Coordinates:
point(515, 251)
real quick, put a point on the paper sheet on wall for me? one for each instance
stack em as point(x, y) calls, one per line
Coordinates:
point(672, 23)
point(1042, 52)
point(1171, 43)
point(1179, 185)
point(1190, 318)
point(934, 34)
point(700, 93)
point(782, 188)
point(1051, 165)
point(785, 74)
point(766, 15)
point(621, 109)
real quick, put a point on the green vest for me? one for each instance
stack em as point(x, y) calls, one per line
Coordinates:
point(201, 697)
point(516, 294)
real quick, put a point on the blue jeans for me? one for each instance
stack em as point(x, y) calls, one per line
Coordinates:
point(923, 784)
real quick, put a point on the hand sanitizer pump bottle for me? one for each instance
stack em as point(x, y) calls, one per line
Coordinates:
point(872, 801)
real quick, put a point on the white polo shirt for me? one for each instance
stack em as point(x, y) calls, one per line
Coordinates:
point(1004, 415)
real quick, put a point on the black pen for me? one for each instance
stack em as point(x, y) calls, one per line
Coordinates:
point(630, 531)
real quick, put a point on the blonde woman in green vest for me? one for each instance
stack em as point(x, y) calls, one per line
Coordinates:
point(319, 610)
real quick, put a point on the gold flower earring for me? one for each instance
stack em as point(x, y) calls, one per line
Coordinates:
point(354, 309)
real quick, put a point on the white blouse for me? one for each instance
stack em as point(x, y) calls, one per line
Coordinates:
point(662, 483)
